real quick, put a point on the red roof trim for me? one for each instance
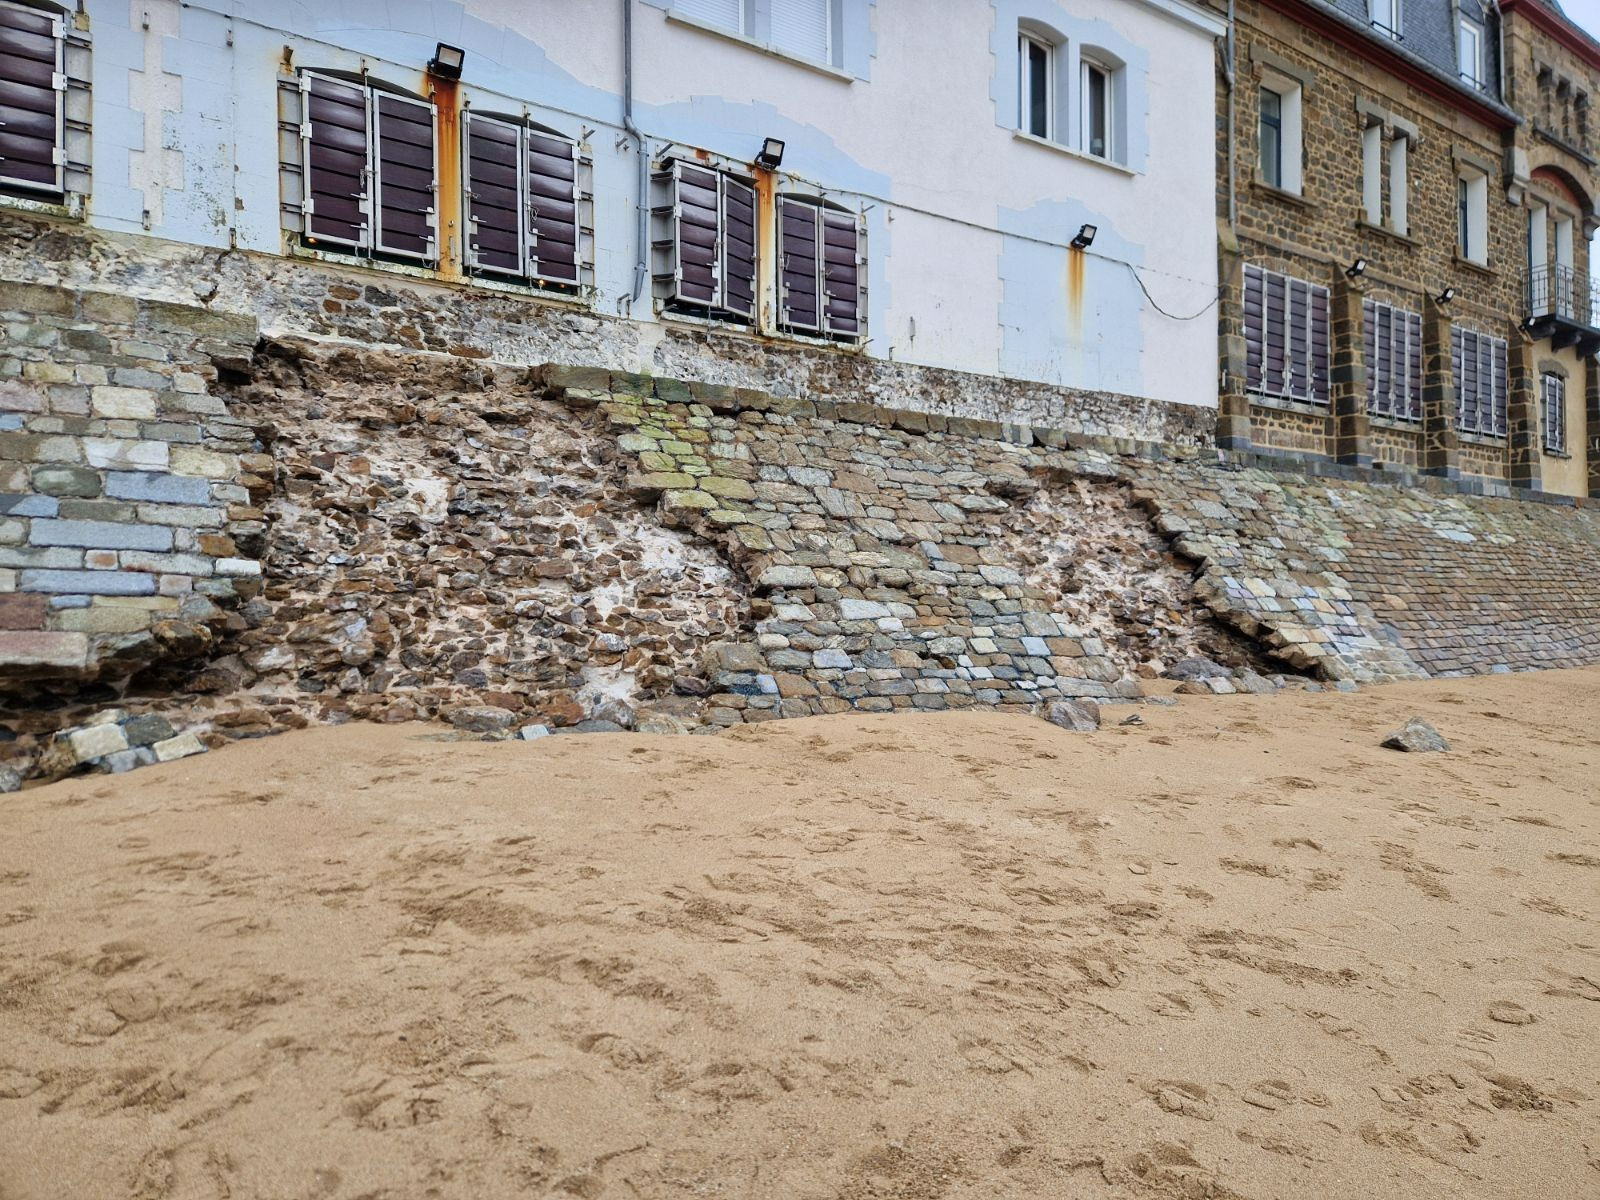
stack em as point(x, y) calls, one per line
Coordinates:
point(1401, 68)
point(1558, 27)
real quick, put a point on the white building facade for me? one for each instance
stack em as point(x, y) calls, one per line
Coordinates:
point(594, 166)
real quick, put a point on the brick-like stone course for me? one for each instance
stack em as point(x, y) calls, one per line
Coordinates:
point(115, 462)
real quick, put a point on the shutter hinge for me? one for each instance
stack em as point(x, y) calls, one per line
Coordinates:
point(58, 81)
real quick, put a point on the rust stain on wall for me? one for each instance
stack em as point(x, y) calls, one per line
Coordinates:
point(1075, 292)
point(766, 185)
point(452, 236)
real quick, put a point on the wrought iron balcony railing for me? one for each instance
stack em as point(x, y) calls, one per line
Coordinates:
point(1561, 296)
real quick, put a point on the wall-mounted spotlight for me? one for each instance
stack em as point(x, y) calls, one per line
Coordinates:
point(1445, 296)
point(447, 61)
point(1085, 237)
point(771, 156)
point(1356, 269)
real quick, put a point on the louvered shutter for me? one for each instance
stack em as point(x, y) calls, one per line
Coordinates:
point(552, 167)
point(335, 158)
point(1254, 328)
point(1500, 397)
point(1414, 367)
point(1316, 390)
point(496, 222)
point(695, 209)
point(1274, 357)
point(799, 266)
point(803, 27)
point(1369, 351)
point(726, 14)
point(406, 221)
point(738, 245)
point(841, 266)
point(33, 87)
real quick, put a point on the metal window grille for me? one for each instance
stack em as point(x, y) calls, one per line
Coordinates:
point(703, 248)
point(1480, 373)
point(1392, 338)
point(1286, 336)
point(1554, 389)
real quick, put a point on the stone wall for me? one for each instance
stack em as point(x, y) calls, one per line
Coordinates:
point(125, 508)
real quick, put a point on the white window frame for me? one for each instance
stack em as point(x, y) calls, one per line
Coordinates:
point(1088, 67)
point(755, 27)
point(71, 79)
point(1473, 234)
point(1386, 16)
point(1471, 72)
point(1025, 41)
point(1372, 173)
point(1399, 184)
point(1291, 131)
point(1553, 401)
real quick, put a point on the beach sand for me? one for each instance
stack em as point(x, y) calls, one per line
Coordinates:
point(1237, 951)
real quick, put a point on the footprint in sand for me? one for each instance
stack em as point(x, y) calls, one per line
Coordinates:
point(1509, 1012)
point(1185, 1099)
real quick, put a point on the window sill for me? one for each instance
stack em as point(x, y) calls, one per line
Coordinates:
point(1481, 439)
point(1472, 264)
point(1298, 199)
point(810, 64)
point(1069, 152)
point(582, 298)
point(670, 317)
point(1394, 424)
point(1283, 404)
point(1388, 232)
point(1563, 455)
point(72, 208)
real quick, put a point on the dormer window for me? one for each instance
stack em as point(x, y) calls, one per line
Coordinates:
point(1385, 17)
point(1469, 50)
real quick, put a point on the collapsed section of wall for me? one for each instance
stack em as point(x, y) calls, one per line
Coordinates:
point(126, 521)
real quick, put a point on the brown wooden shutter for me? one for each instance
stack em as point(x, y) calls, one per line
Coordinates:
point(696, 210)
point(1499, 400)
point(336, 162)
point(799, 265)
point(406, 223)
point(1413, 410)
point(738, 243)
point(1369, 350)
point(1254, 328)
point(32, 94)
point(1316, 390)
point(1274, 356)
point(841, 273)
point(553, 204)
point(495, 220)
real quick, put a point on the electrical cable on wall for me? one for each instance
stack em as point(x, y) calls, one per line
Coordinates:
point(1210, 304)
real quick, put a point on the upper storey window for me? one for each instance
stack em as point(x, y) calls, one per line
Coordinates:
point(1469, 52)
point(1279, 134)
point(1098, 103)
point(1385, 17)
point(1035, 86)
point(1070, 94)
point(805, 29)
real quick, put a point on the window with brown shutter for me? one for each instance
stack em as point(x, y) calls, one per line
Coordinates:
point(44, 104)
point(1392, 338)
point(527, 202)
point(360, 167)
point(1553, 392)
point(703, 249)
point(820, 288)
point(1286, 336)
point(1480, 373)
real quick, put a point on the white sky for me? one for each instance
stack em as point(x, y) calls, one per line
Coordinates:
point(1585, 13)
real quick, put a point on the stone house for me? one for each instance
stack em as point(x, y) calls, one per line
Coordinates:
point(1406, 196)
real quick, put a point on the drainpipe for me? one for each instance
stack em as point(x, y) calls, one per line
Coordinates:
point(1228, 78)
point(641, 267)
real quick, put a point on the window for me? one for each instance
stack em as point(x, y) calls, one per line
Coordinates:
point(802, 28)
point(1469, 52)
point(1480, 370)
point(1393, 341)
point(1385, 16)
point(1553, 393)
point(528, 203)
point(1035, 86)
point(1272, 137)
point(360, 167)
point(704, 247)
point(1279, 141)
point(1399, 182)
point(1372, 174)
point(1096, 102)
point(1286, 336)
point(44, 104)
point(821, 286)
point(1472, 216)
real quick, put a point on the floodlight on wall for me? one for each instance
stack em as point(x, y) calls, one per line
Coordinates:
point(1445, 296)
point(447, 61)
point(1085, 237)
point(1356, 269)
point(771, 156)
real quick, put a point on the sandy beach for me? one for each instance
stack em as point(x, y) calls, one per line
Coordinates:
point(1236, 951)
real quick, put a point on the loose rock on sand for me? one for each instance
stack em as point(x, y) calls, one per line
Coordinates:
point(1237, 951)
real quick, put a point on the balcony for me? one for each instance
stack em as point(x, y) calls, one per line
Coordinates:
point(1561, 306)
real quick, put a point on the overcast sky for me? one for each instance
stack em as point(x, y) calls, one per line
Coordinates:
point(1585, 13)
